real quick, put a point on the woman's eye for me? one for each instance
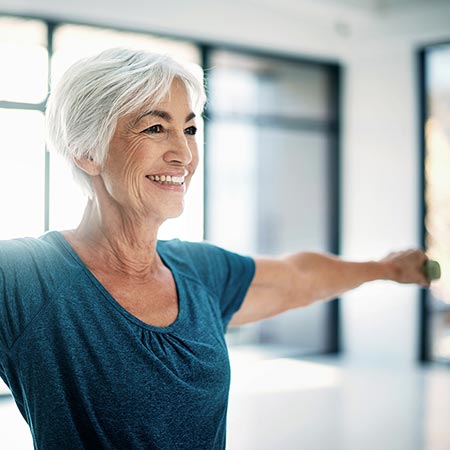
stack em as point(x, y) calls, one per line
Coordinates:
point(191, 130)
point(155, 129)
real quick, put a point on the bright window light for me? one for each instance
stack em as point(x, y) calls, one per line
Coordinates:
point(23, 76)
point(22, 173)
point(233, 164)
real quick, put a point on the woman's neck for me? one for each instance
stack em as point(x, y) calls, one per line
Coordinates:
point(112, 239)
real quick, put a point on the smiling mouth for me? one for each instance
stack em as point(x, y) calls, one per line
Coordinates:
point(167, 179)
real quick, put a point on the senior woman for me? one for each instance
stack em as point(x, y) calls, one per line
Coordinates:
point(109, 338)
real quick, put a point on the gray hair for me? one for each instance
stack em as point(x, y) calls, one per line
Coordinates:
point(83, 109)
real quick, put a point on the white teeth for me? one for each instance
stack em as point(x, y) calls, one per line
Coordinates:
point(166, 179)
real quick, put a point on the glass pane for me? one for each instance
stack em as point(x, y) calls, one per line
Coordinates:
point(268, 194)
point(73, 42)
point(246, 84)
point(271, 195)
point(232, 186)
point(293, 215)
point(24, 73)
point(294, 191)
point(437, 195)
point(22, 169)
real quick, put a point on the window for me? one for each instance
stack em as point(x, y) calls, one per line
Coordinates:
point(23, 52)
point(436, 152)
point(23, 89)
point(272, 176)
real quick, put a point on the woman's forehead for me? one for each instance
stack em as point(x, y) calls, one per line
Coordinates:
point(175, 101)
point(161, 111)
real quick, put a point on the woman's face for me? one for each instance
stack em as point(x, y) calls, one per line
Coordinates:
point(152, 157)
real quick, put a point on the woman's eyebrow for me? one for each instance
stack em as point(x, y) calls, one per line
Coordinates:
point(190, 116)
point(163, 115)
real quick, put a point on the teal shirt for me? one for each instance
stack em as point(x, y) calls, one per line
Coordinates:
point(87, 374)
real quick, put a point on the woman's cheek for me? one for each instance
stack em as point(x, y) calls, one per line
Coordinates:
point(132, 172)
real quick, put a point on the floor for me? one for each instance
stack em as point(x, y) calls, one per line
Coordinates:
point(279, 402)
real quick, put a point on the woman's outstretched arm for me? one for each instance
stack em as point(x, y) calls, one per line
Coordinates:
point(303, 278)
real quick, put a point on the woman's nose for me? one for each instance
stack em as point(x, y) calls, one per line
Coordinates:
point(179, 150)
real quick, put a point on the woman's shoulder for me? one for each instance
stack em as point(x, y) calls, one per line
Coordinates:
point(19, 251)
point(32, 270)
point(200, 257)
point(183, 250)
point(20, 247)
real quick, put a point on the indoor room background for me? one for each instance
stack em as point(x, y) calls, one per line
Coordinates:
point(327, 128)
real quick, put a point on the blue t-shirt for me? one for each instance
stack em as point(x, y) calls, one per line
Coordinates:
point(87, 374)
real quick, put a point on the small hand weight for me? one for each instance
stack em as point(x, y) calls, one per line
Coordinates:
point(432, 270)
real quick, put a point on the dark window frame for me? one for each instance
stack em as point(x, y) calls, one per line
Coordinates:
point(424, 353)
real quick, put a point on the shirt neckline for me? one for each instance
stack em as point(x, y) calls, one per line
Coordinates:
point(175, 274)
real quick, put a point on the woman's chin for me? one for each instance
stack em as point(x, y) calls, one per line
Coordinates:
point(172, 212)
point(174, 215)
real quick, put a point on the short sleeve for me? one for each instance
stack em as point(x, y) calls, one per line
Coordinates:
point(22, 288)
point(231, 275)
point(225, 274)
point(14, 282)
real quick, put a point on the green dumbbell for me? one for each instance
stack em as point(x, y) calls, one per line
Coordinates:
point(432, 270)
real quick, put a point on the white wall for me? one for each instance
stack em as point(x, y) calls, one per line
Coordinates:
point(380, 198)
point(379, 145)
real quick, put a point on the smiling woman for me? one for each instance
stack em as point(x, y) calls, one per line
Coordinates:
point(109, 337)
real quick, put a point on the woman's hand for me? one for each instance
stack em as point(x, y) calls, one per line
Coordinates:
point(406, 267)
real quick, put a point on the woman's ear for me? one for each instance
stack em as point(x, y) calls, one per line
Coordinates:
point(87, 165)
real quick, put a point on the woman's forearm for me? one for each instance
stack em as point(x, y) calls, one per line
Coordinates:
point(324, 277)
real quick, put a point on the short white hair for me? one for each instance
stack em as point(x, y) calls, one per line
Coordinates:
point(83, 109)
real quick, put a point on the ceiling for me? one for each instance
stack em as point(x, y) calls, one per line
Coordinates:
point(377, 5)
point(365, 7)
